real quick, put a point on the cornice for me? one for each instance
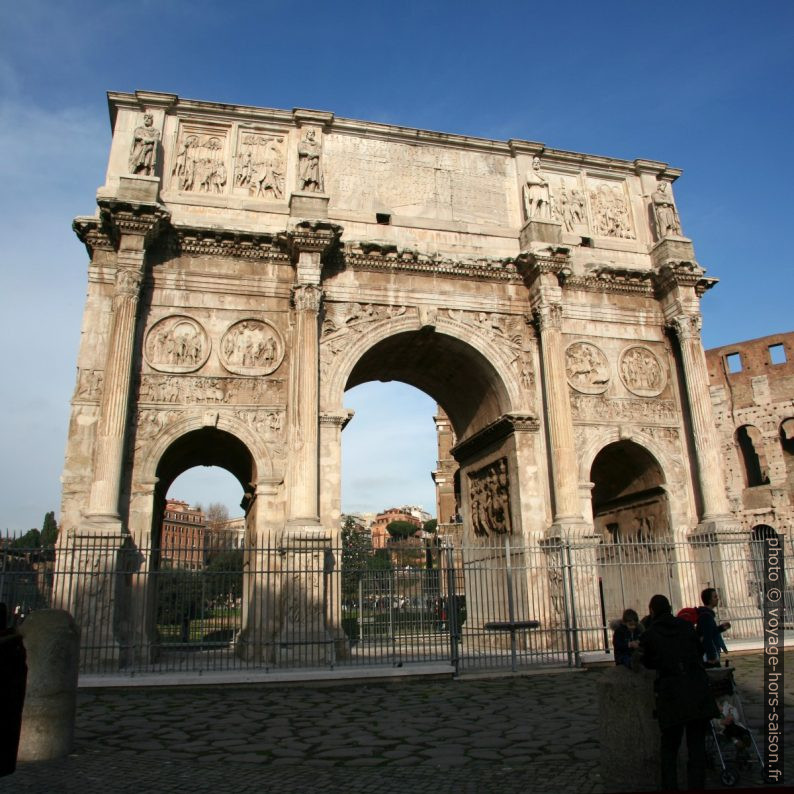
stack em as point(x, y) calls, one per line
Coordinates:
point(682, 274)
point(196, 109)
point(554, 261)
point(615, 281)
point(379, 257)
point(196, 241)
point(314, 236)
point(95, 234)
point(503, 427)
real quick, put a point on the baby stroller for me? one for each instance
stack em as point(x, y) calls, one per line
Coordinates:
point(731, 740)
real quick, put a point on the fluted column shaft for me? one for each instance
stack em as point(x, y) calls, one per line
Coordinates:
point(707, 453)
point(562, 448)
point(303, 465)
point(109, 453)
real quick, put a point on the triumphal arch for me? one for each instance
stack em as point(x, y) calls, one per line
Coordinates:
point(249, 265)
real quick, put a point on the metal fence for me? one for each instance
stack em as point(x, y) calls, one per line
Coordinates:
point(499, 605)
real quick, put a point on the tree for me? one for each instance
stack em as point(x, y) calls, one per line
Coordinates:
point(431, 525)
point(216, 515)
point(49, 530)
point(356, 553)
point(30, 540)
point(400, 530)
point(224, 575)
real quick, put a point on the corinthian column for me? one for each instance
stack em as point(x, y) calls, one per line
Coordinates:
point(696, 380)
point(303, 462)
point(134, 232)
point(308, 241)
point(542, 275)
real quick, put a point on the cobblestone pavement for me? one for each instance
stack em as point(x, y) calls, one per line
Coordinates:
point(511, 734)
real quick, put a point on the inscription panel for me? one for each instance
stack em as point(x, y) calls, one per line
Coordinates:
point(425, 181)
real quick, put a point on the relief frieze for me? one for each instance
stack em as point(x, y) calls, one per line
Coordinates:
point(89, 385)
point(252, 347)
point(343, 317)
point(260, 165)
point(191, 390)
point(200, 162)
point(489, 493)
point(610, 211)
point(176, 344)
point(597, 408)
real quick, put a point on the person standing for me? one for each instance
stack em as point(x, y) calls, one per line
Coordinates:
point(709, 631)
point(683, 701)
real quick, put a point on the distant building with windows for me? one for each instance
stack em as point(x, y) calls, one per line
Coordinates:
point(184, 536)
point(752, 391)
point(380, 534)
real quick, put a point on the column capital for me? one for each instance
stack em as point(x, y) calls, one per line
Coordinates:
point(686, 326)
point(307, 297)
point(548, 316)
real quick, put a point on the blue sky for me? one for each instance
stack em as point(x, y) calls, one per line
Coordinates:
point(703, 86)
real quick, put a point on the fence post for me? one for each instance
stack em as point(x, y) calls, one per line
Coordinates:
point(511, 612)
point(453, 606)
point(568, 588)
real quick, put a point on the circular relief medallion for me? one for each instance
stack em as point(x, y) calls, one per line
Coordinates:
point(642, 372)
point(176, 344)
point(587, 368)
point(252, 347)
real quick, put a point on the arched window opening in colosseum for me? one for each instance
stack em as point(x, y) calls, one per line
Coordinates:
point(753, 457)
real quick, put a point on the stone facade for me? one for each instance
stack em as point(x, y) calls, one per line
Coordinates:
point(752, 390)
point(249, 265)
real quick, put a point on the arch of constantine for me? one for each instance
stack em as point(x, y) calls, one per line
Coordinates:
point(249, 265)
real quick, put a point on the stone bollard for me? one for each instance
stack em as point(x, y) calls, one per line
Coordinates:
point(629, 734)
point(52, 642)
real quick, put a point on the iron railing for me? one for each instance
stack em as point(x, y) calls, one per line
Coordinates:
point(146, 609)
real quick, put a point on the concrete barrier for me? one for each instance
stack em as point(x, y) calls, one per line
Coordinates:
point(52, 642)
point(629, 734)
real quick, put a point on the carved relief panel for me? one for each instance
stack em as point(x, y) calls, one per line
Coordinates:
point(610, 209)
point(176, 344)
point(642, 372)
point(200, 163)
point(260, 165)
point(489, 494)
point(569, 204)
point(587, 368)
point(191, 390)
point(252, 347)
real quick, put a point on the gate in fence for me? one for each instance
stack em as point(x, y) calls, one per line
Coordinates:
point(490, 606)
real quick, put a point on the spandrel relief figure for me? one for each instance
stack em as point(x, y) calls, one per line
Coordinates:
point(536, 194)
point(309, 167)
point(610, 212)
point(143, 153)
point(587, 368)
point(667, 221)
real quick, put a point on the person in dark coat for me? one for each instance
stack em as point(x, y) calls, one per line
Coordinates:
point(626, 637)
point(710, 633)
point(683, 701)
point(13, 677)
